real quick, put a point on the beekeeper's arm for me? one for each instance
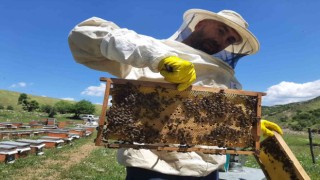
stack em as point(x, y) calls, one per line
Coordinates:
point(102, 45)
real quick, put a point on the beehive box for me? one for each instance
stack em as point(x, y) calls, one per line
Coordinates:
point(155, 115)
point(79, 131)
point(35, 145)
point(8, 153)
point(59, 133)
point(52, 142)
point(22, 148)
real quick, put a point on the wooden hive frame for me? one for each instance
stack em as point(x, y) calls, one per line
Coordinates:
point(277, 161)
point(198, 126)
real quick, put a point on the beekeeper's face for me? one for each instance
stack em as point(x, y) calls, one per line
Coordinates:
point(212, 36)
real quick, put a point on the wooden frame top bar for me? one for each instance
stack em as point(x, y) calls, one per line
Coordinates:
point(174, 86)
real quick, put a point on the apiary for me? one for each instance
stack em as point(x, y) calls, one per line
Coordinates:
point(38, 132)
point(51, 121)
point(155, 115)
point(15, 134)
point(90, 128)
point(9, 126)
point(35, 145)
point(74, 136)
point(51, 142)
point(36, 126)
point(25, 127)
point(26, 133)
point(88, 133)
point(62, 124)
point(22, 133)
point(12, 125)
point(80, 131)
point(5, 135)
point(22, 148)
point(50, 127)
point(59, 133)
point(8, 153)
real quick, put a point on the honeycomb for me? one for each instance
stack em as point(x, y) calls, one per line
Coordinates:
point(277, 160)
point(277, 155)
point(154, 114)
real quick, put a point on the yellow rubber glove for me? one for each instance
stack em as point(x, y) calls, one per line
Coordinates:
point(267, 127)
point(177, 70)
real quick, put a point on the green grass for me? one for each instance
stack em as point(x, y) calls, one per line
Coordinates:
point(101, 164)
point(26, 117)
point(21, 116)
point(299, 144)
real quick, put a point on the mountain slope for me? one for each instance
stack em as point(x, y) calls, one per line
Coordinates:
point(11, 98)
point(289, 115)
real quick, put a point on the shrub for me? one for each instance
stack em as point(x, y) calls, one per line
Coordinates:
point(48, 109)
point(10, 107)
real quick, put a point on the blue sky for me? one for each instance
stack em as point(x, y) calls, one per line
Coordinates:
point(35, 57)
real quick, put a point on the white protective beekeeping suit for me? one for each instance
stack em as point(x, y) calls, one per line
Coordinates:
point(102, 45)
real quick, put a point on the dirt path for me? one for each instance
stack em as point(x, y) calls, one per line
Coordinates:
point(50, 169)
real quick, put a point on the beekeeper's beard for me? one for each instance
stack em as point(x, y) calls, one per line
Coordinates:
point(198, 41)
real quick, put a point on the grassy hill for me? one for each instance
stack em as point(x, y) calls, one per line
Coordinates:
point(289, 115)
point(11, 98)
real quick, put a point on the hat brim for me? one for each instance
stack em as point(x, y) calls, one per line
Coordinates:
point(249, 41)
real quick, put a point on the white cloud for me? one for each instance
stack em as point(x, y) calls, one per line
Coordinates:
point(288, 92)
point(19, 84)
point(95, 90)
point(68, 99)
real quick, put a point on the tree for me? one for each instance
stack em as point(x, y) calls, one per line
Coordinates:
point(49, 109)
point(9, 107)
point(83, 107)
point(298, 111)
point(31, 106)
point(63, 107)
point(27, 104)
point(296, 127)
point(284, 119)
point(23, 98)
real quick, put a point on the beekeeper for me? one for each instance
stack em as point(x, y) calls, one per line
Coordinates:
point(204, 52)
